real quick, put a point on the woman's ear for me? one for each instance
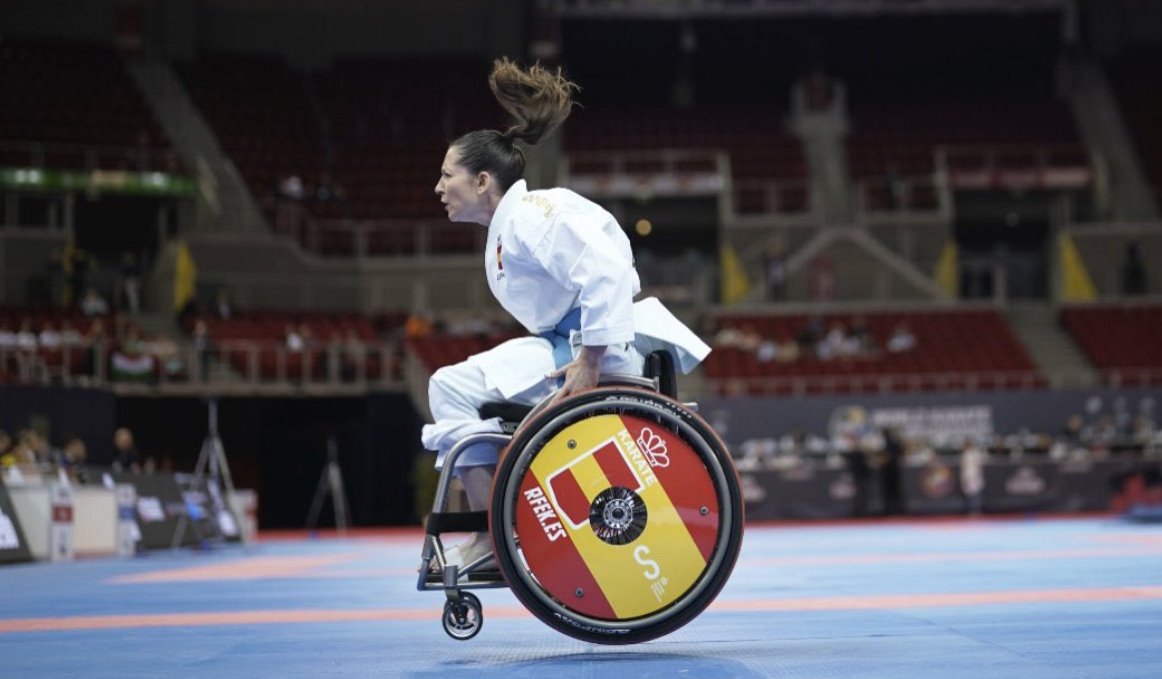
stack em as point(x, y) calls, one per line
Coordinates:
point(483, 183)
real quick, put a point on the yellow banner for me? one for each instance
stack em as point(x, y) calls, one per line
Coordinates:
point(733, 281)
point(947, 274)
point(1076, 284)
point(185, 277)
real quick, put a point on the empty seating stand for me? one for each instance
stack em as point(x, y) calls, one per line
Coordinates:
point(1122, 341)
point(72, 105)
point(956, 349)
point(255, 345)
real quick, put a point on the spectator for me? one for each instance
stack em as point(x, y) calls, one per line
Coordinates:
point(745, 338)
point(96, 341)
point(126, 457)
point(775, 273)
point(74, 452)
point(7, 337)
point(24, 451)
point(5, 446)
point(902, 339)
point(788, 351)
point(354, 355)
point(1134, 271)
point(417, 325)
point(811, 334)
point(94, 304)
point(972, 461)
point(327, 190)
point(49, 338)
point(223, 308)
point(857, 465)
point(131, 361)
point(291, 187)
point(294, 341)
point(69, 335)
point(767, 351)
point(166, 355)
point(131, 282)
point(25, 337)
point(203, 347)
point(834, 343)
point(891, 482)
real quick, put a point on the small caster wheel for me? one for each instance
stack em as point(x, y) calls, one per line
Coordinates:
point(464, 618)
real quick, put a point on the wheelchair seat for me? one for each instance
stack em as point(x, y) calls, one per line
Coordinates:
point(659, 366)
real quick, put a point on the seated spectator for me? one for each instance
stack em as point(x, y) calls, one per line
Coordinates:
point(126, 457)
point(93, 304)
point(788, 351)
point(294, 341)
point(223, 308)
point(902, 339)
point(49, 338)
point(811, 334)
point(131, 282)
point(166, 355)
point(417, 325)
point(291, 187)
point(307, 336)
point(354, 355)
point(767, 351)
point(26, 337)
point(69, 335)
point(833, 344)
point(130, 360)
point(203, 347)
point(74, 452)
point(745, 338)
point(7, 337)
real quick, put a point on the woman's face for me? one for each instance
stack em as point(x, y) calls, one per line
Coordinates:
point(461, 192)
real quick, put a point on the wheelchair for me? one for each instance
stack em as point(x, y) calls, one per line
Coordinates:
point(615, 514)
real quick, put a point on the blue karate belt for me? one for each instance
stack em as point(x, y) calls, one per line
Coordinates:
point(559, 337)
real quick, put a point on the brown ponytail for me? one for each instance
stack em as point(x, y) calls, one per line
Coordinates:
point(537, 99)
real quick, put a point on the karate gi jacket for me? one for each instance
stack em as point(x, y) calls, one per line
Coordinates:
point(550, 251)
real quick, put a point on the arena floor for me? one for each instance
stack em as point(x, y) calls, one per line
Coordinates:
point(1029, 598)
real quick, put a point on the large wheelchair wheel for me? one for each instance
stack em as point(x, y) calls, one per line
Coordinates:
point(616, 515)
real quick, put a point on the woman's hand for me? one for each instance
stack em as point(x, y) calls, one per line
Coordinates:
point(580, 374)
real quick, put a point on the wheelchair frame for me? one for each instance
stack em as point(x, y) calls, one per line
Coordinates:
point(463, 614)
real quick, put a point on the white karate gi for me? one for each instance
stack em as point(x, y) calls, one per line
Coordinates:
point(549, 252)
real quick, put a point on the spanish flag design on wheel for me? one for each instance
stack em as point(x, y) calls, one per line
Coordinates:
point(617, 517)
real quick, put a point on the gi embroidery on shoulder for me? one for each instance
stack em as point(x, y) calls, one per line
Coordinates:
point(541, 202)
point(499, 262)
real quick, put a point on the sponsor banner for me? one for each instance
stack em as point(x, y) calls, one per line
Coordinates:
point(758, 418)
point(617, 517)
point(807, 491)
point(158, 506)
point(810, 491)
point(938, 424)
point(13, 545)
point(97, 181)
point(932, 489)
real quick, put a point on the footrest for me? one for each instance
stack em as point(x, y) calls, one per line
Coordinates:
point(490, 575)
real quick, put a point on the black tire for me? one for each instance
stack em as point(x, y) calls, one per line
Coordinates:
point(682, 424)
point(463, 619)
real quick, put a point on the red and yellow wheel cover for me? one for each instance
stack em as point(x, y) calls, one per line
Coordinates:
point(662, 560)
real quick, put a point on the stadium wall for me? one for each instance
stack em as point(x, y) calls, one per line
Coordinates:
point(307, 33)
